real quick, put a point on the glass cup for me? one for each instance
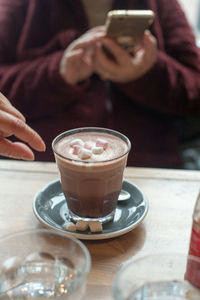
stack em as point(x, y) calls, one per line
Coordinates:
point(155, 277)
point(42, 264)
point(91, 163)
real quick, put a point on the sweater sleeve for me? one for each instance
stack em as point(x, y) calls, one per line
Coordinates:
point(32, 82)
point(172, 86)
point(36, 88)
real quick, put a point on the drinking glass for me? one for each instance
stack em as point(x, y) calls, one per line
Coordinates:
point(42, 264)
point(155, 277)
point(91, 186)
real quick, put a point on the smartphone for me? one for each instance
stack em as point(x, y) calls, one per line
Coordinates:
point(127, 27)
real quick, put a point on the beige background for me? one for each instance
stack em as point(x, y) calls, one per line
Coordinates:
point(191, 9)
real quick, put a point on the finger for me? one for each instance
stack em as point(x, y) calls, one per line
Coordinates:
point(13, 125)
point(102, 59)
point(87, 41)
point(68, 65)
point(116, 50)
point(98, 29)
point(4, 134)
point(150, 45)
point(149, 41)
point(85, 55)
point(74, 54)
point(106, 67)
point(15, 150)
point(88, 56)
point(6, 106)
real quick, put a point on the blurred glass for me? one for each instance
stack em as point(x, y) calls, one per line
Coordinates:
point(155, 277)
point(41, 264)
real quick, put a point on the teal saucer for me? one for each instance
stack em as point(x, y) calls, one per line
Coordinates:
point(50, 208)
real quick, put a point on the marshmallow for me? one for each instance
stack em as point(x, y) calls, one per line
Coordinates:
point(88, 145)
point(76, 149)
point(97, 150)
point(81, 225)
point(69, 226)
point(76, 142)
point(84, 153)
point(95, 226)
point(102, 143)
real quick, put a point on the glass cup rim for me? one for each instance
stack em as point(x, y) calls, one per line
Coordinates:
point(59, 234)
point(130, 262)
point(91, 129)
point(133, 260)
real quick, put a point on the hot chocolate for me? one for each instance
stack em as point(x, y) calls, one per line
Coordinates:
point(91, 162)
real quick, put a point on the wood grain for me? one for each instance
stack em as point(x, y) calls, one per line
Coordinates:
point(166, 228)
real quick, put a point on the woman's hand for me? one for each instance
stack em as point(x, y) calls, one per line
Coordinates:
point(124, 67)
point(77, 62)
point(12, 122)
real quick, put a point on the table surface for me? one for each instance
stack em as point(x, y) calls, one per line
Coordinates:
point(166, 227)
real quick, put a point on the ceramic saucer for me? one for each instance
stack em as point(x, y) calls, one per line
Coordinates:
point(50, 208)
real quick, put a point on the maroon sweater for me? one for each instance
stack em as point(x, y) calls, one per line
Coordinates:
point(33, 37)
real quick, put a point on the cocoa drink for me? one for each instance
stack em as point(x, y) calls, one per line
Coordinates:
point(91, 162)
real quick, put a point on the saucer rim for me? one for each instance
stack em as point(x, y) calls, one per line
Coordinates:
point(93, 236)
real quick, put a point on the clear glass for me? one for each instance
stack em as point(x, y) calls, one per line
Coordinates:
point(42, 264)
point(155, 277)
point(91, 187)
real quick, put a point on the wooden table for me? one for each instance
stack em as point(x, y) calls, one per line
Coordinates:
point(171, 195)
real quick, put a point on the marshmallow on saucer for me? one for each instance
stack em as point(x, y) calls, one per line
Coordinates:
point(95, 226)
point(81, 225)
point(70, 226)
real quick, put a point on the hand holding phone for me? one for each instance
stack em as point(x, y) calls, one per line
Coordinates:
point(127, 27)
